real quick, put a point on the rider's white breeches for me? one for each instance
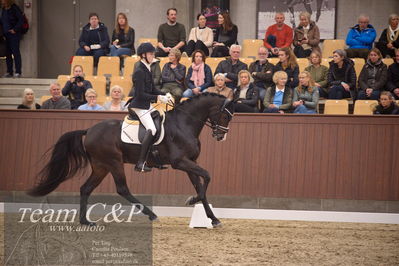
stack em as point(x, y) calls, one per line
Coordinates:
point(146, 119)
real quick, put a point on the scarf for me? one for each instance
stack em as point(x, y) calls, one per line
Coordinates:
point(198, 75)
point(392, 34)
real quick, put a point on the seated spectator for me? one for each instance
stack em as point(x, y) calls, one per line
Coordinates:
point(360, 38)
point(28, 100)
point(374, 76)
point(200, 38)
point(173, 75)
point(393, 76)
point(116, 103)
point(220, 87)
point(246, 94)
point(225, 36)
point(94, 39)
point(278, 35)
point(289, 65)
point(319, 73)
point(387, 105)
point(262, 72)
point(122, 37)
point(199, 75)
point(91, 105)
point(278, 98)
point(76, 87)
point(171, 34)
point(306, 36)
point(306, 95)
point(341, 77)
point(231, 66)
point(57, 101)
point(389, 39)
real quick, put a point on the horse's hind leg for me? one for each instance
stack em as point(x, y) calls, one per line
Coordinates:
point(118, 173)
point(97, 175)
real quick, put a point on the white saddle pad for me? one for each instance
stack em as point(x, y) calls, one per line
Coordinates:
point(130, 132)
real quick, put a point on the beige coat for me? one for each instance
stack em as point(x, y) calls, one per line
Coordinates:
point(313, 36)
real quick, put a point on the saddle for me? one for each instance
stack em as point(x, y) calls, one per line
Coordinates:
point(133, 131)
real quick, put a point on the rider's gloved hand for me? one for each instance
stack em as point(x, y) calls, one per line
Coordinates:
point(163, 98)
point(170, 97)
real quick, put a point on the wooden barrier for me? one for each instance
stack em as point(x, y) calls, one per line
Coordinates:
point(286, 156)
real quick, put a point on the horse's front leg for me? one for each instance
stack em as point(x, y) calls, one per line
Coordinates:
point(194, 171)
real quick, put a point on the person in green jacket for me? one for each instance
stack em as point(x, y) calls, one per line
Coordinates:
point(319, 73)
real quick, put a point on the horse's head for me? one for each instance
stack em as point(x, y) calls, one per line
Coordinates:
point(220, 118)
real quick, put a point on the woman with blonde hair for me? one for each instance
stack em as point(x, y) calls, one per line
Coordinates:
point(220, 87)
point(246, 94)
point(289, 65)
point(306, 95)
point(122, 37)
point(28, 100)
point(76, 87)
point(389, 39)
point(278, 98)
point(318, 72)
point(116, 103)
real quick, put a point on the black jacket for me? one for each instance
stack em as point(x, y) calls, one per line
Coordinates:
point(129, 39)
point(144, 89)
point(381, 76)
point(391, 110)
point(264, 74)
point(76, 94)
point(383, 41)
point(251, 97)
point(292, 73)
point(350, 74)
point(14, 18)
point(393, 77)
point(102, 35)
point(226, 66)
point(232, 35)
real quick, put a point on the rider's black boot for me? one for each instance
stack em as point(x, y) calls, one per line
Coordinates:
point(145, 148)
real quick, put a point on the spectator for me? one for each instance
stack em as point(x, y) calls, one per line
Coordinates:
point(94, 39)
point(199, 75)
point(393, 76)
point(246, 94)
point(262, 72)
point(231, 66)
point(374, 76)
point(173, 75)
point(11, 20)
point(360, 38)
point(306, 36)
point(57, 101)
point(122, 37)
point(319, 73)
point(28, 100)
point(289, 65)
point(306, 95)
point(116, 103)
point(91, 105)
point(171, 34)
point(76, 87)
point(278, 35)
point(389, 39)
point(220, 87)
point(225, 36)
point(278, 98)
point(200, 38)
point(387, 105)
point(341, 77)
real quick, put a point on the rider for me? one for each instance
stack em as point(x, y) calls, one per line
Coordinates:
point(144, 93)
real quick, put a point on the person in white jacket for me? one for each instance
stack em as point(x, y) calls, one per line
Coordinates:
point(200, 38)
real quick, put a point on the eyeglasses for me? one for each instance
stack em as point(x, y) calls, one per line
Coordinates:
point(91, 97)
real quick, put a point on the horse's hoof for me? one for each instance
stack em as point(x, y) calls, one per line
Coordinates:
point(216, 224)
point(189, 201)
point(87, 223)
point(153, 218)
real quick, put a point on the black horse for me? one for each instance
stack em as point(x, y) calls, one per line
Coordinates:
point(104, 150)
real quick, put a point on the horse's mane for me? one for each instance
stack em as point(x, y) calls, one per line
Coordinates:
point(195, 98)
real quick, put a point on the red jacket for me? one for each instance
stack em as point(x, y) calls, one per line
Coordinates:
point(284, 36)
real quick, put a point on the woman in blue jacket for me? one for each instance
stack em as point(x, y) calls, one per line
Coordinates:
point(199, 75)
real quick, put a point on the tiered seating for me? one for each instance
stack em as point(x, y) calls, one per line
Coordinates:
point(99, 84)
point(359, 63)
point(365, 107)
point(124, 82)
point(336, 107)
point(62, 79)
point(129, 66)
point(213, 62)
point(247, 61)
point(163, 61)
point(302, 63)
point(329, 46)
point(250, 47)
point(273, 60)
point(44, 98)
point(108, 65)
point(153, 41)
point(387, 61)
point(86, 62)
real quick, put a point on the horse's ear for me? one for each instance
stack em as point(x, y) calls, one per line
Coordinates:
point(225, 103)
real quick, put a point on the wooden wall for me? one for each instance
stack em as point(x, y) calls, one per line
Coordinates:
point(293, 156)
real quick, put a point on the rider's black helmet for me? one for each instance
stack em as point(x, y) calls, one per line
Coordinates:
point(145, 48)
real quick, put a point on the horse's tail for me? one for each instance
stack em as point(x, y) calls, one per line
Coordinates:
point(68, 156)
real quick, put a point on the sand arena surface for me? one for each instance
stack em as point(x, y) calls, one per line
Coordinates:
point(257, 242)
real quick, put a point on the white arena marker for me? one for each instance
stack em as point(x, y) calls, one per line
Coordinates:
point(199, 218)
